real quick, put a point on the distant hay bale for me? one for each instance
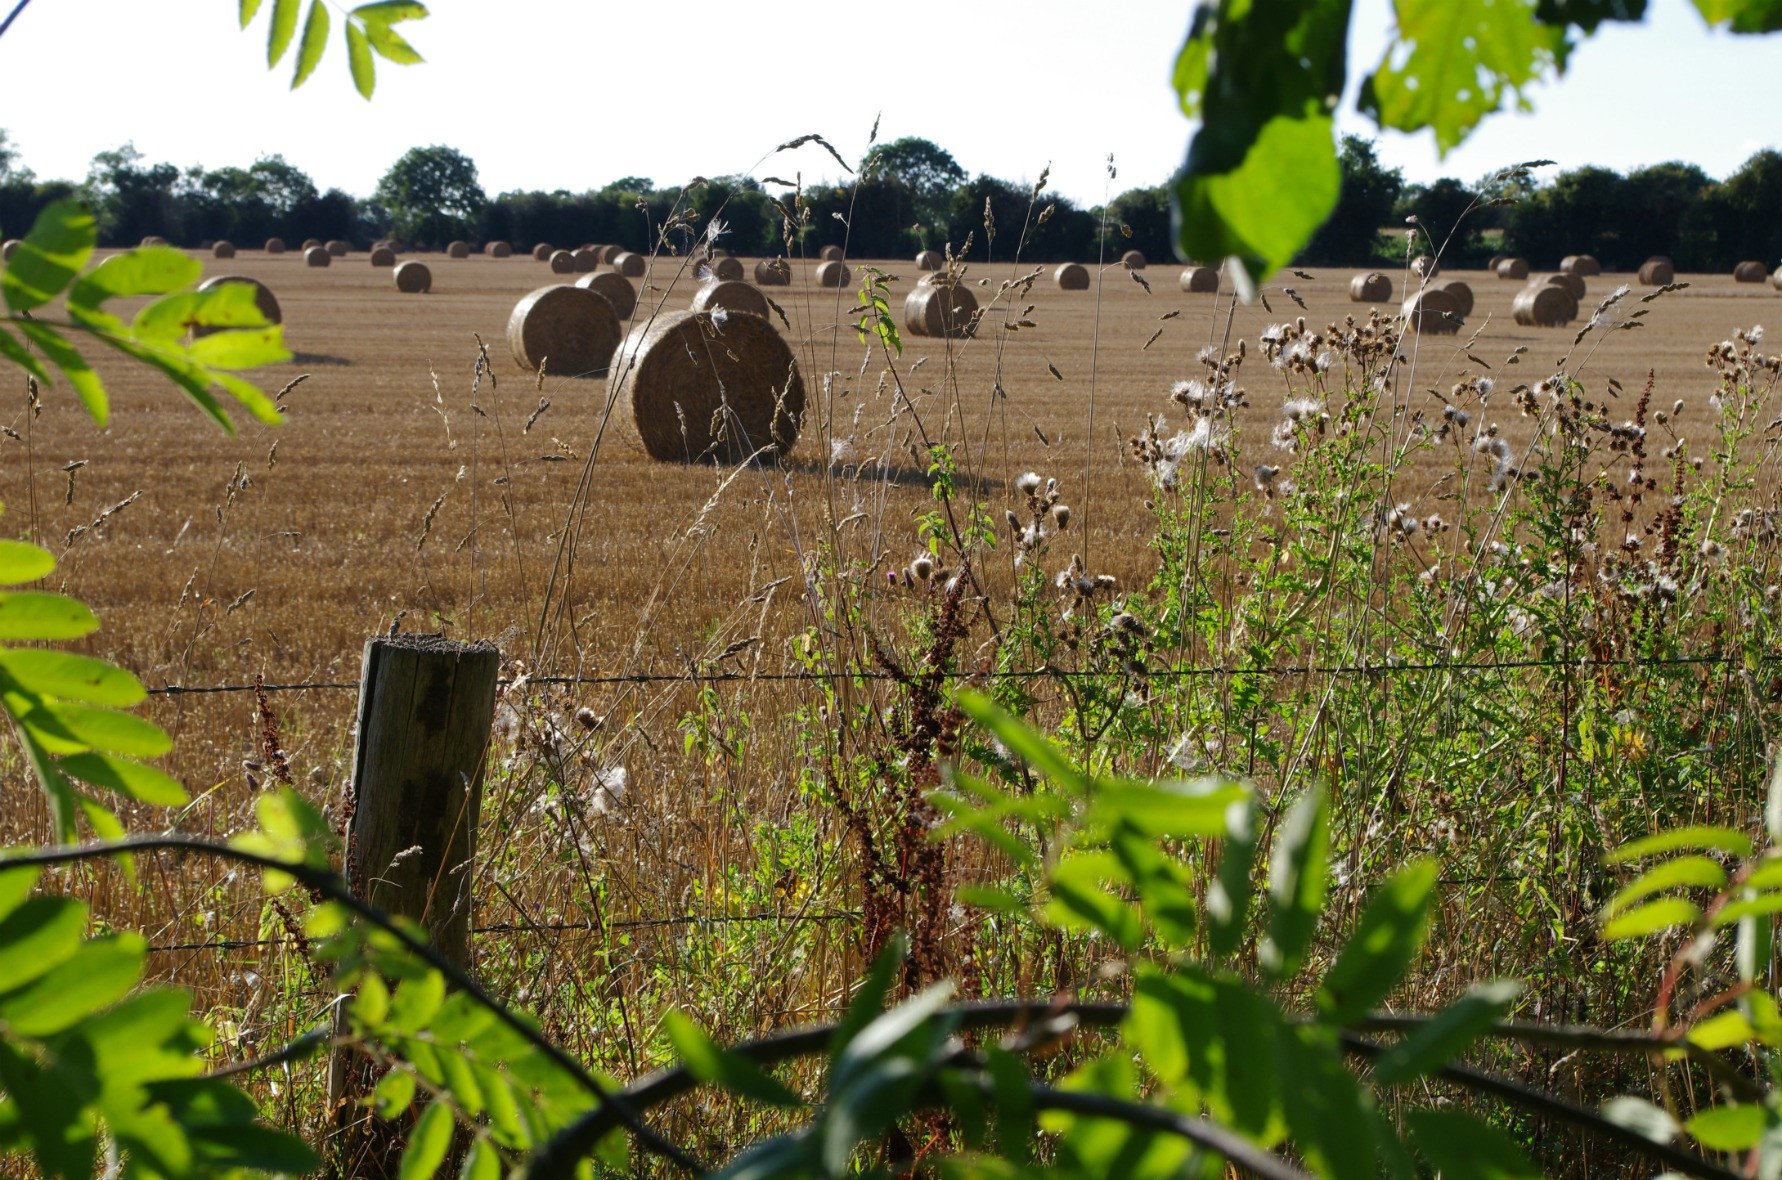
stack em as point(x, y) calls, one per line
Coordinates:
point(396, 245)
point(383, 256)
point(613, 287)
point(1656, 272)
point(608, 253)
point(499, 250)
point(264, 299)
point(1571, 283)
point(413, 278)
point(311, 243)
point(1431, 311)
point(726, 269)
point(1495, 260)
point(458, 250)
point(632, 266)
point(830, 254)
point(1545, 306)
point(1071, 276)
point(338, 248)
point(1749, 272)
point(8, 249)
point(1461, 294)
point(586, 259)
point(562, 262)
point(1583, 265)
point(775, 272)
point(543, 251)
point(154, 240)
point(1425, 266)
point(833, 274)
point(1512, 268)
point(689, 390)
point(1200, 280)
point(316, 256)
point(275, 245)
point(1133, 260)
point(731, 295)
point(569, 331)
point(939, 308)
point(1373, 287)
point(227, 250)
point(1776, 279)
point(930, 260)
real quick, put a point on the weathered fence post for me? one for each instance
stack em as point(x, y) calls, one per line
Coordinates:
point(426, 706)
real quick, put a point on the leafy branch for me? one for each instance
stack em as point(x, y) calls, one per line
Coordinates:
point(370, 34)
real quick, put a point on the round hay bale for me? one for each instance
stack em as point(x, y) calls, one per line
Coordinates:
point(383, 256)
point(1749, 272)
point(930, 260)
point(499, 250)
point(316, 256)
point(586, 259)
point(227, 250)
point(939, 308)
point(1431, 311)
point(458, 250)
point(338, 248)
point(726, 269)
point(543, 251)
point(562, 262)
point(833, 274)
point(275, 245)
point(311, 243)
point(1373, 287)
point(154, 240)
point(630, 265)
point(608, 253)
point(413, 278)
point(1656, 272)
point(1424, 266)
point(830, 254)
point(264, 299)
point(1071, 276)
point(1200, 280)
point(8, 249)
point(1545, 306)
point(1512, 268)
point(570, 331)
point(731, 295)
point(1461, 294)
point(1132, 260)
point(1583, 265)
point(1571, 283)
point(1776, 279)
point(1495, 259)
point(613, 287)
point(688, 390)
point(775, 272)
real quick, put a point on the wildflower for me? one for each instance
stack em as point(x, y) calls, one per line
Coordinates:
point(1106, 581)
point(607, 790)
point(1061, 515)
point(922, 568)
point(1028, 483)
point(1300, 409)
point(1713, 552)
point(841, 451)
point(1484, 385)
point(1265, 479)
point(588, 718)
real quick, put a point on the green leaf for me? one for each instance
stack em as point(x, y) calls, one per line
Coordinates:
point(1743, 16)
point(21, 561)
point(1772, 805)
point(39, 614)
point(1686, 871)
point(428, 1143)
point(707, 1062)
point(1695, 837)
point(389, 12)
point(1651, 918)
point(15, 887)
point(243, 348)
point(869, 997)
point(1179, 808)
point(1078, 901)
point(80, 375)
point(138, 781)
point(248, 9)
point(1389, 935)
point(50, 256)
point(282, 29)
point(63, 674)
point(1214, 1038)
point(1461, 1147)
point(250, 397)
point(1723, 1030)
point(38, 935)
point(101, 729)
point(482, 1163)
point(194, 381)
point(1444, 1036)
point(315, 41)
point(1266, 207)
point(1024, 743)
point(416, 1001)
point(150, 270)
point(1729, 1128)
point(99, 974)
point(1228, 893)
point(393, 1093)
point(1299, 877)
point(1759, 905)
point(24, 358)
point(1331, 1114)
point(359, 59)
point(1641, 1117)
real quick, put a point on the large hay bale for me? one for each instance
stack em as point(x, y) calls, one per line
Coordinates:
point(413, 278)
point(275, 245)
point(608, 253)
point(1495, 259)
point(1431, 311)
point(383, 256)
point(939, 308)
point(227, 250)
point(731, 295)
point(1749, 272)
point(264, 299)
point(689, 390)
point(632, 266)
point(776, 272)
point(1200, 280)
point(1583, 265)
point(1071, 276)
point(339, 248)
point(1512, 268)
point(458, 250)
point(830, 254)
point(562, 262)
point(8, 249)
point(1133, 260)
point(613, 287)
point(499, 250)
point(311, 243)
point(1544, 306)
point(1372, 287)
point(1776, 279)
point(1574, 284)
point(1656, 272)
point(1425, 266)
point(585, 259)
point(543, 251)
point(317, 256)
point(726, 269)
point(1461, 294)
point(570, 331)
point(833, 274)
point(930, 260)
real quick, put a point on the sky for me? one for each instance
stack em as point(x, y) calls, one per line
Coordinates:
point(572, 94)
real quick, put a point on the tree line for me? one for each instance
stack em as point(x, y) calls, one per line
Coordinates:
point(911, 194)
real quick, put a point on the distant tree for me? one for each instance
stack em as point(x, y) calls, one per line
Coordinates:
point(1351, 235)
point(1743, 210)
point(432, 195)
point(739, 203)
point(1669, 215)
point(333, 214)
point(922, 176)
point(1139, 219)
point(1581, 211)
point(132, 199)
point(629, 184)
point(995, 235)
point(281, 185)
point(1446, 214)
point(11, 172)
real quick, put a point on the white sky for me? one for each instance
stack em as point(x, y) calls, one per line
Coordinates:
point(571, 94)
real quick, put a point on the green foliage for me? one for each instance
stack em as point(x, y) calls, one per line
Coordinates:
point(876, 318)
point(1368, 197)
point(432, 195)
point(370, 34)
